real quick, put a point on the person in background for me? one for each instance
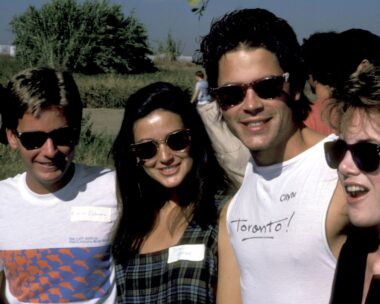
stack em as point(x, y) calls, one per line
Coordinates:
point(321, 54)
point(231, 154)
point(331, 58)
point(287, 221)
point(57, 219)
point(168, 247)
point(356, 155)
point(201, 95)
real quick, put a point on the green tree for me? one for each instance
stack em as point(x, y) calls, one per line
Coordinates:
point(170, 48)
point(92, 37)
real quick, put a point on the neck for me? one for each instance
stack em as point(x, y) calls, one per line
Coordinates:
point(322, 91)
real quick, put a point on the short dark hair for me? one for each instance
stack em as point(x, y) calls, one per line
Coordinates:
point(200, 74)
point(37, 89)
point(142, 196)
point(257, 28)
point(321, 52)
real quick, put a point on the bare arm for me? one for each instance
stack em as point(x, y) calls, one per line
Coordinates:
point(195, 95)
point(228, 291)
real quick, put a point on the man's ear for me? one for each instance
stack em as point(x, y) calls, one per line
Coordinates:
point(12, 139)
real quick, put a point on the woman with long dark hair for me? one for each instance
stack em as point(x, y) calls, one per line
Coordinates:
point(166, 248)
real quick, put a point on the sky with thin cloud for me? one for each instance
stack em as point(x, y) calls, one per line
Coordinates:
point(161, 17)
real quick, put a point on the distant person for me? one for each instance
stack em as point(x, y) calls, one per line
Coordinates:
point(356, 156)
point(230, 152)
point(321, 53)
point(169, 248)
point(57, 219)
point(286, 223)
point(201, 95)
point(331, 58)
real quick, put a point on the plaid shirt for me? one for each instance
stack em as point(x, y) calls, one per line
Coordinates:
point(149, 278)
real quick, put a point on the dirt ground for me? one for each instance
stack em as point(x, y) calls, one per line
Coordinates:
point(105, 120)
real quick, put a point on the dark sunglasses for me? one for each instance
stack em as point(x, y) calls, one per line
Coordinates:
point(177, 140)
point(36, 139)
point(231, 95)
point(365, 155)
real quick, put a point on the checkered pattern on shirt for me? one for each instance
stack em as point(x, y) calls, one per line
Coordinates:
point(148, 278)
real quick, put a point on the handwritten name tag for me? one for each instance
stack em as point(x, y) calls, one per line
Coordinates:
point(91, 214)
point(194, 252)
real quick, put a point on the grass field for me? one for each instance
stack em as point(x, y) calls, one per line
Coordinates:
point(99, 91)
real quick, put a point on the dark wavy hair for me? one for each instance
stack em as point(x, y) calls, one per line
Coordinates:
point(142, 197)
point(257, 28)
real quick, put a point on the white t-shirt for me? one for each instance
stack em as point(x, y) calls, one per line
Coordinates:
point(55, 248)
point(277, 226)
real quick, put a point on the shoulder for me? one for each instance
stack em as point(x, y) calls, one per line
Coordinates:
point(94, 171)
point(94, 177)
point(313, 138)
point(12, 182)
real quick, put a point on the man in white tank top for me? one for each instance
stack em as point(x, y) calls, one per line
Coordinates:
point(286, 223)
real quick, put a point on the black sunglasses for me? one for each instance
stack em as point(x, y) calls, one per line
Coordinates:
point(231, 95)
point(177, 140)
point(61, 137)
point(365, 155)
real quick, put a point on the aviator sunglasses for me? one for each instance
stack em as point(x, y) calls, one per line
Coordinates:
point(365, 155)
point(61, 137)
point(232, 94)
point(176, 141)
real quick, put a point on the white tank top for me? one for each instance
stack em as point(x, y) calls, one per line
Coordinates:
point(277, 227)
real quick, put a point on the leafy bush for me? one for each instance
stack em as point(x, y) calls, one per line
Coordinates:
point(111, 90)
point(92, 37)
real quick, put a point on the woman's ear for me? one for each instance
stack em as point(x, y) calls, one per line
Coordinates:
point(12, 139)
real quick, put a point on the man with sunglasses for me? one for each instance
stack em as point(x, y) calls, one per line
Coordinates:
point(57, 218)
point(356, 155)
point(286, 222)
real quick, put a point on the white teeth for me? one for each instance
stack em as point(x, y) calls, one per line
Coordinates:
point(255, 124)
point(355, 190)
point(168, 168)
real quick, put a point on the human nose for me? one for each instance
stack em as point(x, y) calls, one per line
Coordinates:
point(347, 165)
point(252, 102)
point(49, 148)
point(164, 153)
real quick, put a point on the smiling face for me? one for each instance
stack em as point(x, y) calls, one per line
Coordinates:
point(167, 167)
point(362, 189)
point(263, 125)
point(47, 167)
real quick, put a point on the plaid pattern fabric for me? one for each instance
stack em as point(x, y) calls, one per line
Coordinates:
point(148, 278)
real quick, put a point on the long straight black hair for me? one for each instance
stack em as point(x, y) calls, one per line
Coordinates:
point(142, 197)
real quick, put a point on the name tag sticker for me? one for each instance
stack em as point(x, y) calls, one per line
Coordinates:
point(91, 214)
point(194, 252)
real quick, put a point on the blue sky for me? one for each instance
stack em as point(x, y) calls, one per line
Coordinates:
point(163, 16)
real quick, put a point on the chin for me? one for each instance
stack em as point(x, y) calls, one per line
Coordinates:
point(360, 221)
